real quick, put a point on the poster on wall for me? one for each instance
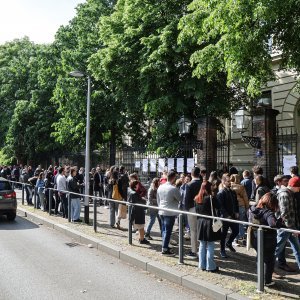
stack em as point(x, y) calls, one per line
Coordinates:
point(137, 164)
point(190, 163)
point(152, 165)
point(180, 165)
point(170, 164)
point(288, 161)
point(145, 165)
point(161, 165)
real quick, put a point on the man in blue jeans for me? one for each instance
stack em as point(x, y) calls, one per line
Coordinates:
point(286, 201)
point(168, 196)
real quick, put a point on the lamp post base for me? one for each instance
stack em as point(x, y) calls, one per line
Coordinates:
point(86, 214)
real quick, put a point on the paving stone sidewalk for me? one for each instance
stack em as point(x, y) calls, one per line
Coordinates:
point(238, 272)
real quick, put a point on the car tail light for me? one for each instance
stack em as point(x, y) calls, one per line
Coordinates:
point(11, 195)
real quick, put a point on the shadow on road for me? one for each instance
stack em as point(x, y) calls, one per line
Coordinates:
point(18, 224)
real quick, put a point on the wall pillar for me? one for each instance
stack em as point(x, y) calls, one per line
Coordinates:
point(264, 127)
point(207, 132)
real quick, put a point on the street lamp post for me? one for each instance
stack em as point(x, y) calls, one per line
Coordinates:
point(80, 74)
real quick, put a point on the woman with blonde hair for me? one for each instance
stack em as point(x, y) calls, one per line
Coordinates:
point(243, 205)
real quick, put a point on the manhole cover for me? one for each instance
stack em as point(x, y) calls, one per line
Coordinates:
point(71, 245)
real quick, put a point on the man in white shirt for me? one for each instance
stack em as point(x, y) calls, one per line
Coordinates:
point(61, 182)
point(168, 196)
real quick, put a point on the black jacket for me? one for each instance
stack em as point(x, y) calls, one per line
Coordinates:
point(73, 186)
point(192, 189)
point(204, 226)
point(228, 203)
point(138, 213)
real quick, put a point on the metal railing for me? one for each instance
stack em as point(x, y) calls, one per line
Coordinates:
point(180, 213)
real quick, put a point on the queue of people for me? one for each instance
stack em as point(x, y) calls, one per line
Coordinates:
point(250, 199)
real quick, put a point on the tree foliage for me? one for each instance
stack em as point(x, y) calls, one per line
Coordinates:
point(233, 36)
point(151, 73)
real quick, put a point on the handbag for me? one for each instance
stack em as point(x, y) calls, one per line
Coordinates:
point(217, 224)
point(116, 194)
point(122, 211)
point(248, 243)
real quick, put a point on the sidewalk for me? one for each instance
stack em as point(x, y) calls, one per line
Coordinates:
point(237, 276)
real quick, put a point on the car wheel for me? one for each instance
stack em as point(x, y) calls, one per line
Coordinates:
point(11, 216)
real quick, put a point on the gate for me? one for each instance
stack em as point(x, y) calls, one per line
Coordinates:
point(287, 144)
point(223, 152)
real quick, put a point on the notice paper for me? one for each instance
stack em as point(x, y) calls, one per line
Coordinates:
point(180, 165)
point(288, 161)
point(161, 165)
point(152, 165)
point(145, 165)
point(170, 164)
point(190, 163)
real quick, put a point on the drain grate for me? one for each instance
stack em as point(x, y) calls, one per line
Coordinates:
point(71, 245)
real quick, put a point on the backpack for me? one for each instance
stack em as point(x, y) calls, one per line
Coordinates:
point(116, 194)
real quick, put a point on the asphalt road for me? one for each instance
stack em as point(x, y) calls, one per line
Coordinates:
point(40, 263)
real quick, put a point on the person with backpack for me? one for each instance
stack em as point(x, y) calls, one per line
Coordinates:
point(261, 188)
point(264, 214)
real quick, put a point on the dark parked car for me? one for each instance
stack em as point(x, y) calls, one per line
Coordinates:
point(8, 201)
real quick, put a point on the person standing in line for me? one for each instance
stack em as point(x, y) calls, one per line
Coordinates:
point(243, 206)
point(192, 189)
point(247, 183)
point(40, 184)
point(168, 196)
point(152, 200)
point(207, 204)
point(264, 214)
point(62, 187)
point(229, 209)
point(288, 212)
point(137, 217)
point(74, 187)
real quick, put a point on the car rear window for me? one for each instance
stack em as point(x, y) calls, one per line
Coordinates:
point(4, 186)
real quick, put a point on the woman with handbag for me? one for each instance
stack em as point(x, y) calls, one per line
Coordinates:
point(137, 217)
point(208, 230)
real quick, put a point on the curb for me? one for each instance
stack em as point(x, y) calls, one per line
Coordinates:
point(202, 287)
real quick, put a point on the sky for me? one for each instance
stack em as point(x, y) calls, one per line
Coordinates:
point(37, 19)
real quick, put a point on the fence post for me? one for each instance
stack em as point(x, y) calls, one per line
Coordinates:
point(50, 201)
point(260, 260)
point(23, 190)
point(180, 239)
point(35, 197)
point(69, 207)
point(129, 224)
point(95, 214)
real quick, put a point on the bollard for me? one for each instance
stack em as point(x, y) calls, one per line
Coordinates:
point(129, 224)
point(69, 207)
point(50, 201)
point(180, 239)
point(23, 190)
point(35, 197)
point(95, 214)
point(260, 260)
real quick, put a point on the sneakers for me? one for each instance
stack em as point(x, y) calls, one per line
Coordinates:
point(147, 235)
point(229, 246)
point(144, 241)
point(270, 283)
point(168, 252)
point(187, 237)
point(192, 255)
point(118, 225)
point(287, 268)
point(77, 221)
point(223, 254)
point(214, 271)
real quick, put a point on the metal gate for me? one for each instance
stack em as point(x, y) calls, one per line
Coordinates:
point(223, 152)
point(287, 144)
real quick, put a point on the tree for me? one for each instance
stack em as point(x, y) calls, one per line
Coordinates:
point(151, 74)
point(30, 125)
point(76, 42)
point(234, 37)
